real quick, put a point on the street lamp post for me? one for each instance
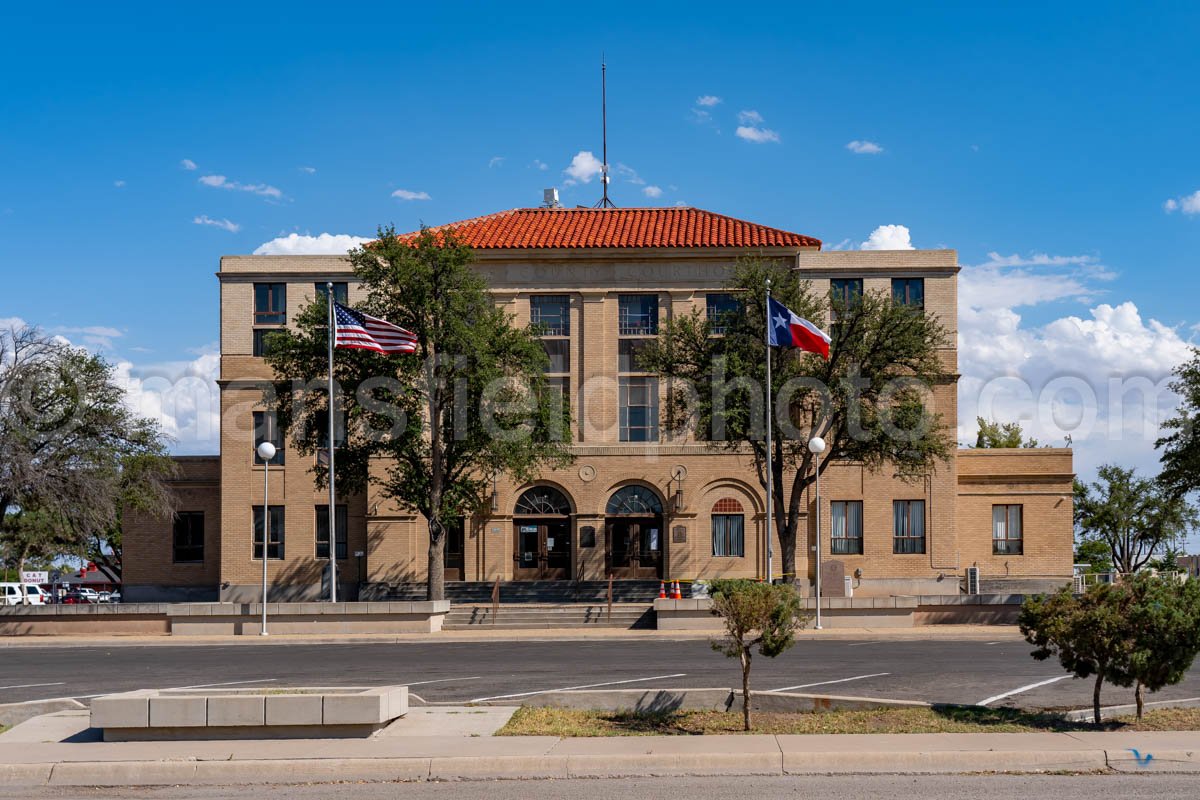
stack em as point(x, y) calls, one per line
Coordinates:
point(816, 446)
point(266, 451)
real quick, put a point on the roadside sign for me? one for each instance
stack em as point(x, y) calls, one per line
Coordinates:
point(35, 577)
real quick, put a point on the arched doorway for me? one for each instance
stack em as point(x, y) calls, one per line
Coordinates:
point(634, 537)
point(542, 535)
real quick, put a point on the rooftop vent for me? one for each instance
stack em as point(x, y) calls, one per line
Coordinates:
point(550, 198)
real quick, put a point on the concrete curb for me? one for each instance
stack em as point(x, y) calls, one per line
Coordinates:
point(594, 765)
point(13, 714)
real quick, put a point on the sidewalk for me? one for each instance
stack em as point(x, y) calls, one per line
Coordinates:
point(458, 758)
point(975, 633)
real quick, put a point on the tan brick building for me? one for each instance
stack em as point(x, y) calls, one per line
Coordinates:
point(633, 504)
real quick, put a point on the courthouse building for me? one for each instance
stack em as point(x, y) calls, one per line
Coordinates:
point(635, 504)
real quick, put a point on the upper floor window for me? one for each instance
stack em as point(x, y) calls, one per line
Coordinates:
point(274, 539)
point(341, 291)
point(1007, 530)
point(638, 409)
point(188, 538)
point(266, 429)
point(846, 518)
point(846, 293)
point(552, 313)
point(339, 513)
point(270, 304)
point(262, 340)
point(718, 308)
point(637, 315)
point(909, 291)
point(908, 526)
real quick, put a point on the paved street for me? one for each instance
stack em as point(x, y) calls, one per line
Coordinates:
point(851, 787)
point(933, 671)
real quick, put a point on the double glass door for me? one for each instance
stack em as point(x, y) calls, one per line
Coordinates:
point(542, 550)
point(634, 547)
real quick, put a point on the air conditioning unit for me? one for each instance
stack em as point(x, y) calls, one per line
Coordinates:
point(972, 580)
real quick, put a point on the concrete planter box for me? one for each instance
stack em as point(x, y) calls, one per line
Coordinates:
point(836, 612)
point(151, 715)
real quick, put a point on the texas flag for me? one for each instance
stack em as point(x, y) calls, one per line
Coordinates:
point(787, 329)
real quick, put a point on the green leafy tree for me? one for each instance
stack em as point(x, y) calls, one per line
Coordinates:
point(1089, 634)
point(1163, 624)
point(71, 452)
point(1095, 553)
point(1001, 434)
point(1180, 444)
point(869, 401)
point(1134, 516)
point(471, 403)
point(761, 615)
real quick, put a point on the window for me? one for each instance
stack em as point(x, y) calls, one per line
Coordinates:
point(846, 294)
point(339, 511)
point(908, 526)
point(551, 312)
point(718, 308)
point(266, 429)
point(637, 315)
point(320, 429)
point(270, 304)
point(262, 341)
point(1007, 531)
point(909, 291)
point(627, 354)
point(638, 409)
point(846, 517)
point(559, 353)
point(728, 529)
point(341, 293)
point(188, 539)
point(275, 544)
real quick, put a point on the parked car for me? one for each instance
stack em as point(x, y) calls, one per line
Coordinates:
point(10, 594)
point(76, 597)
point(91, 594)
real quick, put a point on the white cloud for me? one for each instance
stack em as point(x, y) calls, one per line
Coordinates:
point(652, 191)
point(752, 129)
point(1189, 204)
point(863, 147)
point(97, 337)
point(182, 396)
point(540, 165)
point(708, 100)
point(118, 184)
point(844, 244)
point(583, 167)
point(223, 224)
point(260, 189)
point(888, 237)
point(405, 194)
point(495, 161)
point(323, 244)
point(309, 170)
point(187, 164)
point(630, 174)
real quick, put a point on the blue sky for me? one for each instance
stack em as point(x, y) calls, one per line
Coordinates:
point(1052, 137)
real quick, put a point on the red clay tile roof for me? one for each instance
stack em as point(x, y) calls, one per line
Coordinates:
point(523, 228)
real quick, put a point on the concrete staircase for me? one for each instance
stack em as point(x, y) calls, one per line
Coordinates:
point(531, 616)
point(535, 592)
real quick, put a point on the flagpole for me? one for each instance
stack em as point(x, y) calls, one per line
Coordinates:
point(332, 331)
point(770, 466)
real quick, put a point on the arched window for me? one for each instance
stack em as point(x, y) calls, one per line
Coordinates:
point(543, 501)
point(728, 529)
point(635, 501)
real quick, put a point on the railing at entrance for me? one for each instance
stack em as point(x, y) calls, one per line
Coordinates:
point(495, 601)
point(610, 580)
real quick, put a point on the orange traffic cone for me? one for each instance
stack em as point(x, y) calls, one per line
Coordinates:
point(662, 590)
point(675, 593)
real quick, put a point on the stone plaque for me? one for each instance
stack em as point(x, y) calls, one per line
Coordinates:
point(679, 535)
point(833, 579)
point(587, 536)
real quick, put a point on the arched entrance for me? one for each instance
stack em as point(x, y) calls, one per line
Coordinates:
point(542, 535)
point(633, 525)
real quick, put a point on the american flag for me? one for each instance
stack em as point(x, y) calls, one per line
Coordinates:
point(355, 330)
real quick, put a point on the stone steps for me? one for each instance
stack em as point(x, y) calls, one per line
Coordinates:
point(531, 617)
point(534, 592)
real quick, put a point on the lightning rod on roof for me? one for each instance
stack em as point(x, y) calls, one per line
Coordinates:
point(604, 201)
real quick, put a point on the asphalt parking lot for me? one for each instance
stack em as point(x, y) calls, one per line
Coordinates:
point(999, 673)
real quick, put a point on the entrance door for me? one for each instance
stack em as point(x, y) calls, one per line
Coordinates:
point(633, 547)
point(452, 551)
point(541, 549)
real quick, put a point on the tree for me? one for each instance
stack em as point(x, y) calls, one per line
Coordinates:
point(1163, 622)
point(868, 401)
point(1001, 434)
point(761, 615)
point(71, 452)
point(1181, 443)
point(1095, 553)
point(1088, 633)
point(471, 403)
point(1135, 517)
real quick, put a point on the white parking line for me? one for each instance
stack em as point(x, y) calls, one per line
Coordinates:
point(212, 685)
point(572, 688)
point(443, 680)
point(1020, 689)
point(31, 685)
point(826, 683)
point(860, 644)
